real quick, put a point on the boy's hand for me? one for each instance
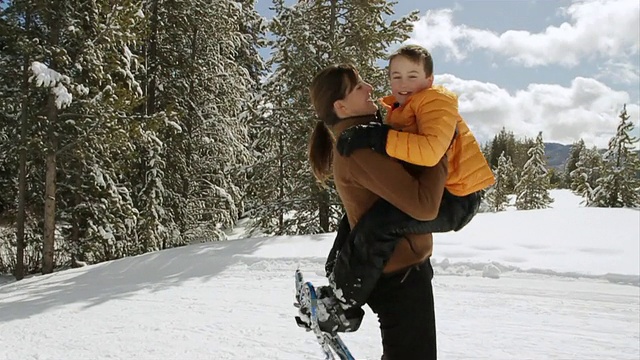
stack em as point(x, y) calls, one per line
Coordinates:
point(372, 136)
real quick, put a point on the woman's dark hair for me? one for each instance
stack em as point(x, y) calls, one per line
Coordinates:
point(329, 85)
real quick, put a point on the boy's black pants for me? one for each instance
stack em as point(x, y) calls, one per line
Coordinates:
point(406, 313)
point(455, 213)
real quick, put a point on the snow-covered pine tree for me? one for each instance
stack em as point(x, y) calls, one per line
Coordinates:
point(572, 163)
point(6, 169)
point(532, 190)
point(227, 144)
point(9, 113)
point(93, 196)
point(497, 196)
point(74, 56)
point(122, 165)
point(503, 142)
point(310, 35)
point(9, 95)
point(588, 170)
point(521, 154)
point(619, 184)
point(202, 80)
point(17, 120)
point(152, 184)
point(514, 149)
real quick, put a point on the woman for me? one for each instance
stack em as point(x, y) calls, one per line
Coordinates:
point(402, 296)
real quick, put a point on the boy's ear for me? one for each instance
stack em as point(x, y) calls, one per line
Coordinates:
point(430, 80)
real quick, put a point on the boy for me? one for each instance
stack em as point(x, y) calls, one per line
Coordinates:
point(422, 125)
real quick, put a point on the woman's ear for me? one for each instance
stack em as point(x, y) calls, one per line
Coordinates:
point(339, 108)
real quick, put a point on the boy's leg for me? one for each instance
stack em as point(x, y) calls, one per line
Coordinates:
point(406, 313)
point(470, 205)
point(452, 210)
point(455, 213)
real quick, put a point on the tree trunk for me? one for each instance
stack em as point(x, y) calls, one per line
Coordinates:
point(188, 140)
point(152, 69)
point(77, 252)
point(22, 162)
point(281, 176)
point(324, 210)
point(332, 28)
point(152, 59)
point(50, 176)
point(50, 191)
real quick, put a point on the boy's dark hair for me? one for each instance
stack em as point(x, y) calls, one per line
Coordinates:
point(415, 53)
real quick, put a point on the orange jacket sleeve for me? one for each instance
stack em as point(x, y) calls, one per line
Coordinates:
point(436, 118)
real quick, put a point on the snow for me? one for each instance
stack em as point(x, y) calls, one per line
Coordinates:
point(512, 285)
point(590, 241)
point(47, 77)
point(564, 199)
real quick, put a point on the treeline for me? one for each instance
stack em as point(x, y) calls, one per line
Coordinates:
point(138, 125)
point(604, 178)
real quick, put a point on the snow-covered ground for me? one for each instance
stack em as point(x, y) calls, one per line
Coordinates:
point(559, 283)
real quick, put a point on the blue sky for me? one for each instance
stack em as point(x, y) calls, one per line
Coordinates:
point(558, 66)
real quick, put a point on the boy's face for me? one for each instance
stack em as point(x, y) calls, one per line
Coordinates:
point(407, 77)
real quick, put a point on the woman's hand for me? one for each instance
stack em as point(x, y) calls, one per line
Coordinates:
point(366, 136)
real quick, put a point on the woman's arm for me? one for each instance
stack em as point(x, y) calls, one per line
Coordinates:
point(418, 197)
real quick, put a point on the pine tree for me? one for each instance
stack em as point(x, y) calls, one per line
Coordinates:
point(514, 149)
point(521, 152)
point(503, 142)
point(18, 46)
point(497, 196)
point(137, 158)
point(309, 36)
point(556, 178)
point(588, 170)
point(201, 88)
point(72, 72)
point(574, 156)
point(619, 185)
point(532, 190)
point(98, 207)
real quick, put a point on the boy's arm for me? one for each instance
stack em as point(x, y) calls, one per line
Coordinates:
point(436, 118)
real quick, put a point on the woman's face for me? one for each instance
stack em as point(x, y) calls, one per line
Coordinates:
point(358, 102)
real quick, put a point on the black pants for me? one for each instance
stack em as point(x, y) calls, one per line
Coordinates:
point(404, 304)
point(455, 213)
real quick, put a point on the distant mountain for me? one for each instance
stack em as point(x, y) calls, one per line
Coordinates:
point(557, 154)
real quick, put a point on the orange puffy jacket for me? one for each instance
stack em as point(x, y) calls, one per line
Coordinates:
point(424, 127)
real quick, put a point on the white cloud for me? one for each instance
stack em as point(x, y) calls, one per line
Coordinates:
point(619, 72)
point(588, 109)
point(436, 29)
point(605, 28)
